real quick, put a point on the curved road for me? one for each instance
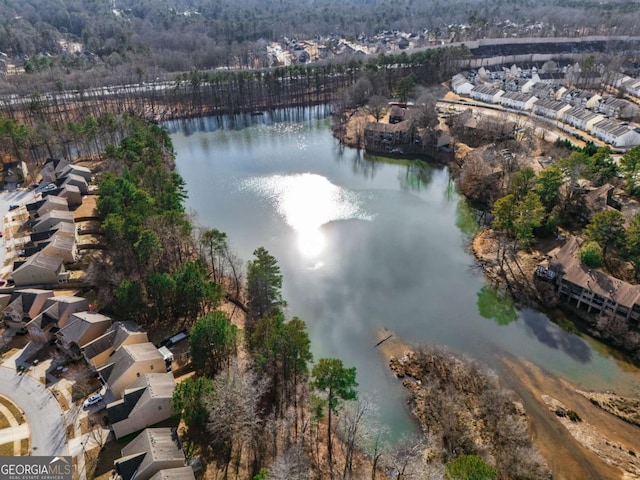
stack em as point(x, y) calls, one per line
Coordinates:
point(42, 410)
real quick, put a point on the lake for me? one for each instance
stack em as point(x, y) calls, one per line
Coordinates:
point(364, 244)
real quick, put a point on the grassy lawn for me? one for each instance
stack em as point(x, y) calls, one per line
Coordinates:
point(4, 422)
point(13, 409)
point(6, 449)
point(25, 447)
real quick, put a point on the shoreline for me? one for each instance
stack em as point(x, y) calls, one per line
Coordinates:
point(599, 447)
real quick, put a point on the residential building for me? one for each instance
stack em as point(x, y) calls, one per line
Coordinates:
point(71, 169)
point(63, 247)
point(80, 329)
point(184, 473)
point(52, 203)
point(617, 108)
point(145, 402)
point(549, 78)
point(615, 133)
point(128, 363)
point(589, 289)
point(581, 118)
point(24, 305)
point(72, 194)
point(78, 181)
point(39, 269)
point(385, 137)
point(461, 85)
point(549, 108)
point(598, 200)
point(486, 94)
point(54, 315)
point(517, 101)
point(397, 114)
point(153, 450)
point(49, 219)
point(100, 350)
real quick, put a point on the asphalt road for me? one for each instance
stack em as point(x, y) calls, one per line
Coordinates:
point(42, 410)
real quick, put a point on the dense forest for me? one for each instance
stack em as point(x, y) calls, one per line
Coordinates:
point(76, 42)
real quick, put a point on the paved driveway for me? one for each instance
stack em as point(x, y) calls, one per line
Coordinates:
point(41, 409)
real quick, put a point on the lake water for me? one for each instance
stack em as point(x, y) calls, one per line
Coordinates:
point(364, 244)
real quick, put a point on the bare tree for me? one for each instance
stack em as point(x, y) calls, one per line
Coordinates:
point(234, 413)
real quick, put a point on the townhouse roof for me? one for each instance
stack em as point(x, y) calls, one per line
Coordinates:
point(57, 203)
point(22, 300)
point(611, 127)
point(54, 307)
point(387, 127)
point(580, 113)
point(181, 473)
point(485, 90)
point(550, 104)
point(573, 270)
point(61, 215)
point(150, 446)
point(39, 260)
point(79, 323)
point(127, 356)
point(517, 96)
point(156, 385)
point(112, 338)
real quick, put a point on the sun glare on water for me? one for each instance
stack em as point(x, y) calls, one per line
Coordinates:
point(306, 202)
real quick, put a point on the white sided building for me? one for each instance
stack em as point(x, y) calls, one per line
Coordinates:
point(615, 134)
point(486, 94)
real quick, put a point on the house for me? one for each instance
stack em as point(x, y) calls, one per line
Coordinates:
point(80, 329)
point(184, 473)
point(128, 363)
point(52, 203)
point(397, 114)
point(616, 79)
point(153, 450)
point(72, 194)
point(24, 305)
point(549, 108)
point(580, 98)
point(145, 402)
point(518, 101)
point(549, 78)
point(617, 108)
point(581, 118)
point(615, 133)
point(461, 85)
point(71, 169)
point(589, 289)
point(486, 94)
point(98, 351)
point(78, 181)
point(597, 200)
point(49, 219)
point(39, 269)
point(54, 315)
point(527, 86)
point(631, 86)
point(51, 168)
point(385, 137)
point(61, 246)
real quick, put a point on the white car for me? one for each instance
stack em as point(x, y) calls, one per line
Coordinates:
point(92, 400)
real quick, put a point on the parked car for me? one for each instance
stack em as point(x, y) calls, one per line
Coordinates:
point(46, 188)
point(13, 207)
point(92, 400)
